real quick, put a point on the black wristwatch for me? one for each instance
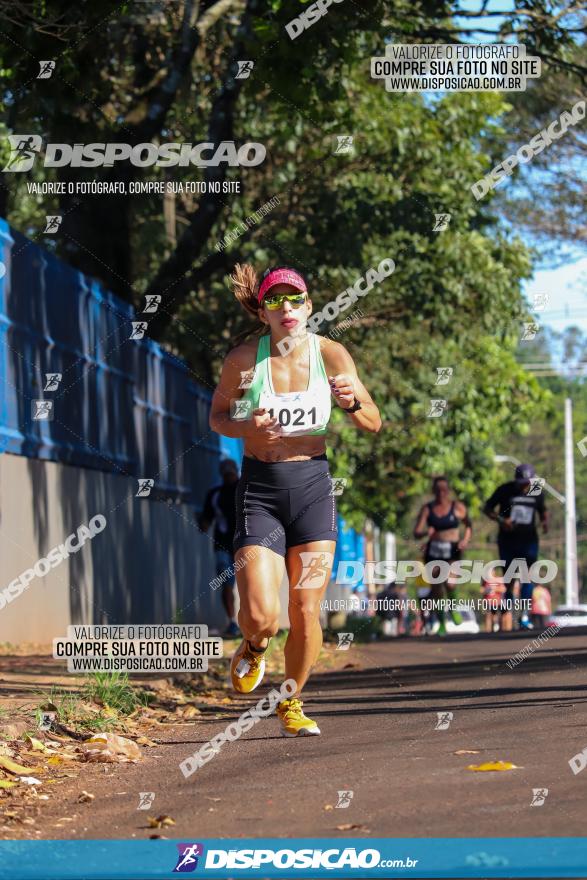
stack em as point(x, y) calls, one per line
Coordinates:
point(352, 409)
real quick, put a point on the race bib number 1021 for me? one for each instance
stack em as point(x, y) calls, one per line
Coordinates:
point(297, 413)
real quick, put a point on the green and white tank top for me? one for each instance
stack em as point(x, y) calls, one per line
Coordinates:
point(298, 412)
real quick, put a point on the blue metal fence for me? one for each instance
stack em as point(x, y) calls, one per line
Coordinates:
point(122, 405)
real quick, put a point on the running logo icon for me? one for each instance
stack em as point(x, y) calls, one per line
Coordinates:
point(443, 375)
point(246, 378)
point(240, 409)
point(146, 798)
point(244, 69)
point(441, 222)
point(47, 719)
point(138, 329)
point(152, 302)
point(344, 800)
point(539, 795)
point(540, 301)
point(42, 410)
point(536, 486)
point(52, 381)
point(437, 408)
point(530, 330)
point(344, 144)
point(444, 719)
point(344, 641)
point(52, 222)
point(187, 860)
point(47, 68)
point(144, 489)
point(23, 151)
point(315, 567)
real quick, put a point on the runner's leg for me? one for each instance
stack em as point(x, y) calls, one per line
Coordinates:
point(305, 635)
point(228, 599)
point(258, 579)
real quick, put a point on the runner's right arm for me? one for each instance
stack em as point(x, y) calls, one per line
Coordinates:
point(491, 503)
point(421, 529)
point(237, 362)
point(488, 510)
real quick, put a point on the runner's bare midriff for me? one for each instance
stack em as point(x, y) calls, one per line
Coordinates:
point(446, 535)
point(291, 449)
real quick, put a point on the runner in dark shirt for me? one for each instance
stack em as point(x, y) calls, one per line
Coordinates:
point(520, 501)
point(219, 508)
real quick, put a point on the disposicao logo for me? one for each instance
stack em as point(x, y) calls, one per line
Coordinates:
point(24, 149)
point(187, 860)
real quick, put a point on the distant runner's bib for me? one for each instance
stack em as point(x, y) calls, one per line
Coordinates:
point(440, 549)
point(522, 514)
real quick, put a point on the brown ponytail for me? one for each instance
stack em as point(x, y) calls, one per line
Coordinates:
point(245, 285)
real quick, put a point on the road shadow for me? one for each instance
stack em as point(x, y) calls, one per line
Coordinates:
point(472, 683)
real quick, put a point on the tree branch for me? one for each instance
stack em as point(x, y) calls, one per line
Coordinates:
point(170, 282)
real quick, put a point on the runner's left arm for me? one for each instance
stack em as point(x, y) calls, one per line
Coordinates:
point(346, 386)
point(463, 514)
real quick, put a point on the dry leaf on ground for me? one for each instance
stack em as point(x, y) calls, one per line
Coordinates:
point(160, 821)
point(13, 767)
point(35, 744)
point(493, 765)
point(111, 748)
point(145, 741)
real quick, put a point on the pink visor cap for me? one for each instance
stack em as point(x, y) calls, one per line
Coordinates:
point(282, 276)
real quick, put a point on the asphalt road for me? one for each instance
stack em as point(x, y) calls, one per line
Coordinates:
point(379, 740)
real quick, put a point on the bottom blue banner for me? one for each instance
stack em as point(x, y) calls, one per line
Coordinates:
point(384, 858)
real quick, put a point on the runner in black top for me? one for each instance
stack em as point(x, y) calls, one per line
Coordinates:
point(440, 521)
point(219, 507)
point(519, 501)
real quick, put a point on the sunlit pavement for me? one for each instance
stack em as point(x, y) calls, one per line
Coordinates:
point(389, 738)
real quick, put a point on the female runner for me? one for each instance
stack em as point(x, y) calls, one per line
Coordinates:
point(286, 512)
point(439, 521)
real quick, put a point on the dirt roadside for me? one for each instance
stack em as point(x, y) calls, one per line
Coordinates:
point(39, 768)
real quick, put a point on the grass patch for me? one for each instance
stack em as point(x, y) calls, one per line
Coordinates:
point(72, 713)
point(113, 689)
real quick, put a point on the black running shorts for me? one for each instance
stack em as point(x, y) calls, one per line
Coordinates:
point(442, 551)
point(280, 504)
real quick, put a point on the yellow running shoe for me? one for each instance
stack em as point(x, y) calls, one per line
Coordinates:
point(247, 668)
point(293, 721)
